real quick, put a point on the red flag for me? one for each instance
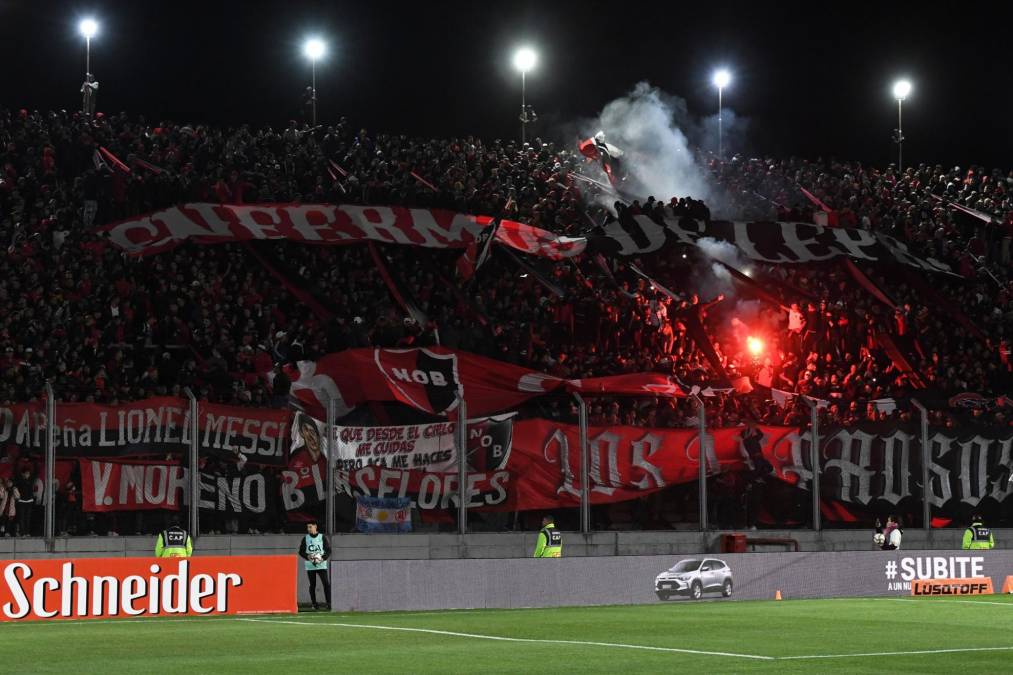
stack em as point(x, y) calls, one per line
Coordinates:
point(114, 159)
point(424, 182)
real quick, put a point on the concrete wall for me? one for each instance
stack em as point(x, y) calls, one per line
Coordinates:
point(492, 545)
point(397, 585)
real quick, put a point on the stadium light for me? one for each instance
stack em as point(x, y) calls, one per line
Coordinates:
point(88, 28)
point(901, 90)
point(722, 78)
point(314, 50)
point(525, 59)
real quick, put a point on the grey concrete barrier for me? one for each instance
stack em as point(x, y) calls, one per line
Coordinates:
point(390, 585)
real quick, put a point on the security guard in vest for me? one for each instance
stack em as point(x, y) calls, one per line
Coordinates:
point(550, 540)
point(977, 536)
point(174, 542)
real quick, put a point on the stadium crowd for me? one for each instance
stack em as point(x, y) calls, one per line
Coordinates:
point(104, 327)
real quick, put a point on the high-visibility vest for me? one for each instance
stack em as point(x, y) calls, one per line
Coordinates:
point(553, 546)
point(174, 543)
point(981, 537)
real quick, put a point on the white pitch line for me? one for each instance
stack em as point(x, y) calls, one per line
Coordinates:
point(477, 636)
point(911, 653)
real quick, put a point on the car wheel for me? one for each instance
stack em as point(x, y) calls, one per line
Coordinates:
point(662, 595)
point(726, 589)
point(696, 592)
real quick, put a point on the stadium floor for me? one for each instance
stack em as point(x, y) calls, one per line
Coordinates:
point(875, 635)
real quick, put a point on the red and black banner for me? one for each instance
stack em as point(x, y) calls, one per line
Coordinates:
point(432, 379)
point(153, 427)
point(329, 224)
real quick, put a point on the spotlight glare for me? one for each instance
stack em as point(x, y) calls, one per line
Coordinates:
point(314, 49)
point(88, 28)
point(901, 89)
point(525, 59)
point(722, 78)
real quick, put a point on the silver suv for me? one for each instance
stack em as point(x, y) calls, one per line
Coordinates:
point(694, 577)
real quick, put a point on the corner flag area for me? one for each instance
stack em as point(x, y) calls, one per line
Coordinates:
point(933, 635)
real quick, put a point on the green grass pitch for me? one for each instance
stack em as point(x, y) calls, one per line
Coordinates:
point(876, 635)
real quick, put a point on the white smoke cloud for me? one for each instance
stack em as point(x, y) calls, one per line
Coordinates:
point(714, 276)
point(645, 124)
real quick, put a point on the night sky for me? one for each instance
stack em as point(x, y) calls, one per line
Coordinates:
point(811, 81)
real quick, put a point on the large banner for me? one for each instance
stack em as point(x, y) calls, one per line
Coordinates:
point(328, 224)
point(878, 466)
point(425, 447)
point(141, 486)
point(151, 427)
point(542, 468)
point(102, 588)
point(772, 242)
point(775, 242)
point(432, 380)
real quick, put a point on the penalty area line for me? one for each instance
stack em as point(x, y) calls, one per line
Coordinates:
point(500, 638)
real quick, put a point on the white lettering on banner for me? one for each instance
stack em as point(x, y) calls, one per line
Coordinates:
point(743, 241)
point(420, 376)
point(101, 596)
point(1002, 487)
point(972, 481)
point(853, 469)
point(208, 213)
point(939, 445)
point(127, 486)
point(896, 467)
point(178, 223)
point(941, 567)
point(683, 236)
point(562, 445)
point(609, 442)
point(248, 217)
point(798, 454)
point(379, 223)
point(425, 225)
point(853, 246)
point(137, 235)
point(651, 443)
point(421, 227)
point(805, 248)
point(128, 429)
point(299, 215)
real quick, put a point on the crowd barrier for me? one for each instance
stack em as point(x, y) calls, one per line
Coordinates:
point(102, 588)
point(392, 585)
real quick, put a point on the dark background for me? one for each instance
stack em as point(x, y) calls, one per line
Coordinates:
point(811, 80)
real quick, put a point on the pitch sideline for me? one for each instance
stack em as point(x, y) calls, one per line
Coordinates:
point(478, 636)
point(620, 645)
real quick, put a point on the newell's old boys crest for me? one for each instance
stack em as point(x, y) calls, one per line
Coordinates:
point(489, 443)
point(420, 378)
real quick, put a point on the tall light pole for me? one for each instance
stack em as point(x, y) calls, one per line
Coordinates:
point(525, 59)
point(88, 28)
point(722, 79)
point(314, 49)
point(901, 89)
